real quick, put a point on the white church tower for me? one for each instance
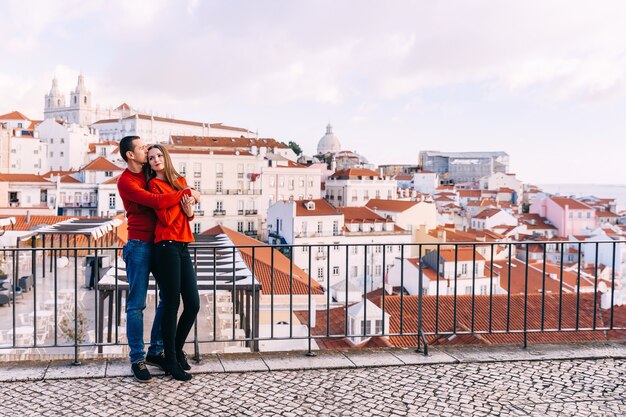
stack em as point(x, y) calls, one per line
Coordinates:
point(79, 111)
point(54, 100)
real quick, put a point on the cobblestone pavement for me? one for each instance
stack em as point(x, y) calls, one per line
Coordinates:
point(542, 388)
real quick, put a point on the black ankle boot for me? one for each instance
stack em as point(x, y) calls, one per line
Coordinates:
point(181, 357)
point(176, 371)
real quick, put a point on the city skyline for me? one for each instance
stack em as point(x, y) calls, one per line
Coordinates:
point(547, 89)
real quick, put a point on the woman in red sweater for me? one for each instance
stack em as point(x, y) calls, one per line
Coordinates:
point(172, 266)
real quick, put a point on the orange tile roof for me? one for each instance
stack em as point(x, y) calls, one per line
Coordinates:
point(444, 307)
point(101, 164)
point(469, 193)
point(226, 142)
point(123, 106)
point(573, 204)
point(14, 115)
point(390, 205)
point(322, 208)
point(23, 178)
point(360, 214)
point(463, 254)
point(263, 265)
point(485, 214)
point(68, 179)
point(355, 173)
point(225, 127)
point(200, 151)
point(57, 173)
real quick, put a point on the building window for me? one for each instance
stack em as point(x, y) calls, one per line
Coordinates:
point(378, 270)
point(305, 249)
point(63, 141)
point(219, 205)
point(355, 271)
point(196, 228)
point(320, 227)
point(240, 227)
point(106, 173)
point(355, 250)
point(218, 186)
point(320, 273)
point(335, 270)
point(196, 185)
point(182, 168)
point(378, 326)
point(335, 228)
point(111, 201)
point(463, 269)
point(250, 226)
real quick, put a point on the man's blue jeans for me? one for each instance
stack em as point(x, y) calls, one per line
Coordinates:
point(136, 255)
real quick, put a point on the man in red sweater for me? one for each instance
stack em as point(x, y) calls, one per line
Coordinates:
point(140, 204)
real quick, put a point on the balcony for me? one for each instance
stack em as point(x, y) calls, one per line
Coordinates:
point(251, 233)
point(218, 213)
point(197, 174)
point(198, 212)
point(219, 175)
point(252, 212)
point(240, 212)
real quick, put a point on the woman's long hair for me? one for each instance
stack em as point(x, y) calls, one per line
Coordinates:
point(171, 176)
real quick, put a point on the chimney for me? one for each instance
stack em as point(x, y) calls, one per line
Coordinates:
point(27, 220)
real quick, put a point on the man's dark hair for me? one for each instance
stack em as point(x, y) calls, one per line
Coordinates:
point(126, 145)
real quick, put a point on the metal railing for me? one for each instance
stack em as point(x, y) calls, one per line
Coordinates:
point(55, 299)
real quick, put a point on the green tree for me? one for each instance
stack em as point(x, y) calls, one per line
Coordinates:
point(295, 147)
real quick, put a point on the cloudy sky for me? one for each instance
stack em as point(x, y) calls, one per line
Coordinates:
point(543, 81)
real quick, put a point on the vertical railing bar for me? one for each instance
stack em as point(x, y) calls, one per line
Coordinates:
point(309, 352)
point(402, 289)
point(473, 283)
point(291, 254)
point(215, 294)
point(384, 272)
point(327, 290)
point(613, 284)
point(561, 287)
point(491, 288)
point(508, 293)
point(526, 296)
point(96, 274)
point(234, 294)
point(364, 328)
point(543, 288)
point(456, 269)
point(272, 293)
point(346, 306)
point(578, 285)
point(12, 290)
point(595, 286)
point(116, 300)
point(76, 361)
point(437, 289)
point(53, 259)
point(196, 344)
point(253, 317)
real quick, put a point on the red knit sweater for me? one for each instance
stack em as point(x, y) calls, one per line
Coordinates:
point(139, 204)
point(173, 223)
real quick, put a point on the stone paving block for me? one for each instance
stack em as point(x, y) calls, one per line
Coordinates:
point(209, 364)
point(364, 358)
point(410, 357)
point(483, 353)
point(65, 370)
point(119, 368)
point(298, 360)
point(20, 372)
point(577, 351)
point(243, 362)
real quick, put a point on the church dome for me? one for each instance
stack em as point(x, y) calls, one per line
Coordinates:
point(329, 143)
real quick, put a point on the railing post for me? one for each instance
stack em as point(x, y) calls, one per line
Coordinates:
point(420, 298)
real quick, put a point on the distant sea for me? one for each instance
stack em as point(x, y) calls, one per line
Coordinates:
point(618, 192)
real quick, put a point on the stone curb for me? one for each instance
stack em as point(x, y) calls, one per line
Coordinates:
point(337, 359)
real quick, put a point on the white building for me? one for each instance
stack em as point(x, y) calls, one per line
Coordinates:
point(92, 191)
point(68, 143)
point(425, 182)
point(357, 233)
point(498, 180)
point(355, 187)
point(490, 218)
point(26, 155)
point(21, 192)
point(470, 270)
point(229, 182)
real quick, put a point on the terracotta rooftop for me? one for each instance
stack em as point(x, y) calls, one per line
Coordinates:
point(573, 204)
point(14, 115)
point(396, 206)
point(322, 208)
point(361, 214)
point(101, 164)
point(226, 142)
point(22, 178)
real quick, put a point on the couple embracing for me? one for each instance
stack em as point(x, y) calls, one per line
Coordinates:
point(159, 206)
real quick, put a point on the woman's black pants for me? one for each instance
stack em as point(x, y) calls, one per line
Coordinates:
point(174, 272)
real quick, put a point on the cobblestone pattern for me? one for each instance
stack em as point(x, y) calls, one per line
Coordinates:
point(544, 388)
